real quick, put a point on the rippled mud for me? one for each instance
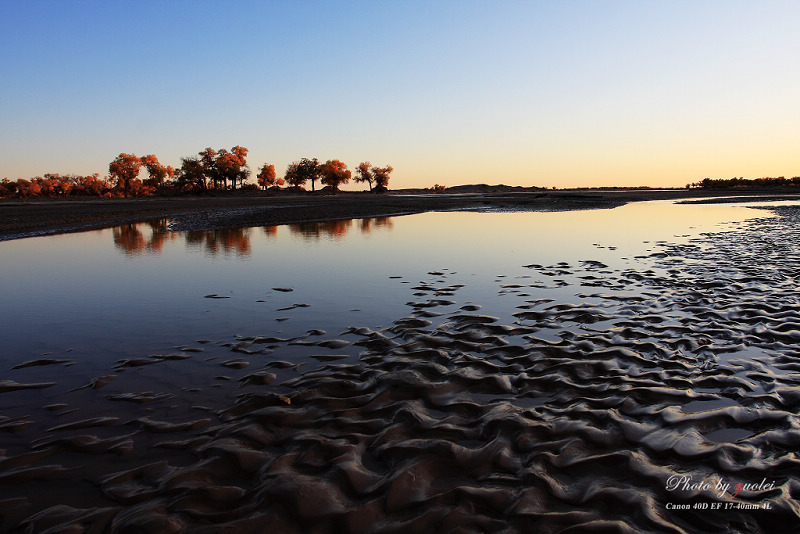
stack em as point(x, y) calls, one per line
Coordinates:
point(663, 398)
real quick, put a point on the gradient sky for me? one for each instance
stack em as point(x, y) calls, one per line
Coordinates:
point(558, 93)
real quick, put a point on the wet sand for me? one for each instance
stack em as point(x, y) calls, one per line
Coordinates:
point(620, 413)
point(46, 216)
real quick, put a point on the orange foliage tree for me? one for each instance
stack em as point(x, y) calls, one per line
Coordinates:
point(91, 185)
point(237, 166)
point(231, 166)
point(157, 173)
point(208, 158)
point(268, 178)
point(222, 165)
point(125, 169)
point(196, 174)
point(27, 188)
point(334, 173)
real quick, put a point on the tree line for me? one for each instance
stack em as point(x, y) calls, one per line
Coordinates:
point(731, 183)
point(209, 170)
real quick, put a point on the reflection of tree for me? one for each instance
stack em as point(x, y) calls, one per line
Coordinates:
point(369, 223)
point(227, 240)
point(130, 237)
point(158, 235)
point(312, 231)
point(384, 222)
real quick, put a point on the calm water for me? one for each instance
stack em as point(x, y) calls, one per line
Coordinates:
point(129, 291)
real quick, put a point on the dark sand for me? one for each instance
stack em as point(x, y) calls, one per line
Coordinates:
point(448, 421)
point(46, 216)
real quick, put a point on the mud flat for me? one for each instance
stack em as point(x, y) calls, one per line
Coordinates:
point(665, 400)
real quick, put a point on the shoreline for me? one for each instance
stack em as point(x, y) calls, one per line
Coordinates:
point(29, 218)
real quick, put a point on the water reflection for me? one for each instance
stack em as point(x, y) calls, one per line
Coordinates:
point(335, 230)
point(313, 231)
point(150, 237)
point(384, 223)
point(225, 240)
point(130, 238)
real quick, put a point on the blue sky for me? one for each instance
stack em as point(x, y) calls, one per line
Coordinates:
point(567, 93)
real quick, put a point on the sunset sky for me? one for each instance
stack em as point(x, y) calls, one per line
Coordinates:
point(558, 93)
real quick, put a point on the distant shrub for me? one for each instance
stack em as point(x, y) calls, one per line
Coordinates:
point(436, 189)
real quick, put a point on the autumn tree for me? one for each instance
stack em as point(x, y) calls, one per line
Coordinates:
point(125, 169)
point(91, 185)
point(232, 166)
point(222, 166)
point(311, 169)
point(157, 173)
point(191, 175)
point(28, 188)
point(268, 178)
point(295, 175)
point(65, 185)
point(334, 173)
point(208, 158)
point(377, 175)
point(8, 188)
point(241, 173)
point(54, 185)
point(364, 171)
point(381, 175)
point(299, 172)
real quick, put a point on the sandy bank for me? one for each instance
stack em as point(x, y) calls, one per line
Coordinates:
point(43, 216)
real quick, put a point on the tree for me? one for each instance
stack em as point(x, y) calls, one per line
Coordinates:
point(191, 175)
point(27, 188)
point(225, 167)
point(299, 172)
point(156, 172)
point(233, 166)
point(365, 173)
point(91, 185)
point(221, 166)
point(8, 188)
point(381, 175)
point(54, 185)
point(293, 177)
point(310, 169)
point(334, 173)
point(208, 158)
point(268, 178)
point(125, 168)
